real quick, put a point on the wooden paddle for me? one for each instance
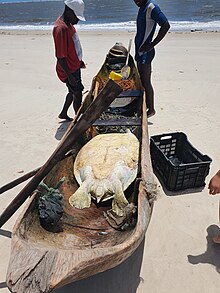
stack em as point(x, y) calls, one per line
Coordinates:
point(126, 70)
point(77, 128)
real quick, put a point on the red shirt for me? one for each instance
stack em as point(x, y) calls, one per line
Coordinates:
point(66, 40)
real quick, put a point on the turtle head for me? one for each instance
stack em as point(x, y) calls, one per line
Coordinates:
point(101, 192)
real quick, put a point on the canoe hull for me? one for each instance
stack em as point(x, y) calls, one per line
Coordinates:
point(86, 244)
point(60, 267)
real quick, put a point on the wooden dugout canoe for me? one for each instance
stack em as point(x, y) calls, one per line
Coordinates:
point(87, 244)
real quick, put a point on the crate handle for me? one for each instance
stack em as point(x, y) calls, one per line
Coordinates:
point(166, 137)
point(191, 170)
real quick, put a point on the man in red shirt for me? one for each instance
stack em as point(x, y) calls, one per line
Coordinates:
point(68, 52)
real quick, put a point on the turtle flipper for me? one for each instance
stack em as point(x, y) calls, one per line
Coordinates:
point(119, 201)
point(80, 199)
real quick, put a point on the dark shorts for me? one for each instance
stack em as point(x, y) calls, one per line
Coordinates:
point(147, 57)
point(79, 86)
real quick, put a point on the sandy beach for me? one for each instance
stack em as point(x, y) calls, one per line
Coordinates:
point(178, 253)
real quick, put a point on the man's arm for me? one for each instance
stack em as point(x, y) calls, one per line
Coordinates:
point(161, 34)
point(63, 64)
point(214, 184)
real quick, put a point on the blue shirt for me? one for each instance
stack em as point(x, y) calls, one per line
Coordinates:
point(147, 19)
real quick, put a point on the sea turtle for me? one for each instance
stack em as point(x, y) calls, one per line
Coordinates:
point(104, 168)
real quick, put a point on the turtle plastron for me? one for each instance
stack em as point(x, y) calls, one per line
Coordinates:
point(118, 154)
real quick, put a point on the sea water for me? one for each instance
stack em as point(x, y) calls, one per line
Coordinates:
point(183, 15)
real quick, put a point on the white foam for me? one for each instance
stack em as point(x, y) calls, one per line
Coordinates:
point(124, 26)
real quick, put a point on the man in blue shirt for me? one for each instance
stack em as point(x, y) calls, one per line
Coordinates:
point(149, 15)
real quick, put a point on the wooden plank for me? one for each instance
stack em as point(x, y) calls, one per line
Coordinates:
point(147, 174)
point(96, 90)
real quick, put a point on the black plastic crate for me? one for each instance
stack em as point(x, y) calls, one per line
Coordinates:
point(177, 163)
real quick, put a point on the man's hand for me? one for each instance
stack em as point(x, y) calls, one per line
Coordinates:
point(83, 65)
point(146, 48)
point(214, 184)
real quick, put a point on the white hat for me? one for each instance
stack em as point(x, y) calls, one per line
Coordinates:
point(77, 6)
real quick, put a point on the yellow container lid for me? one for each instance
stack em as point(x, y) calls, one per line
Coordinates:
point(115, 76)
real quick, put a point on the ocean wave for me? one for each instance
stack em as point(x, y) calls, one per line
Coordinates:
point(195, 25)
point(123, 26)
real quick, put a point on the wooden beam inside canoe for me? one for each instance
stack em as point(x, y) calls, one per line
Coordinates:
point(131, 93)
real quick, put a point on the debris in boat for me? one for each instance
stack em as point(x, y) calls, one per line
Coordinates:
point(127, 221)
point(121, 129)
point(128, 84)
point(115, 76)
point(116, 57)
point(115, 61)
point(50, 208)
point(104, 168)
point(103, 233)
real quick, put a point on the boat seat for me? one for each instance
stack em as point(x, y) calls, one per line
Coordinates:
point(130, 93)
point(118, 122)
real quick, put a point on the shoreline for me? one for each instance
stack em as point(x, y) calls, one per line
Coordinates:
point(130, 26)
point(95, 32)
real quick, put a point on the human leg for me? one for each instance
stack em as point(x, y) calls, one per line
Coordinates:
point(77, 100)
point(67, 103)
point(214, 188)
point(145, 75)
point(217, 238)
point(76, 90)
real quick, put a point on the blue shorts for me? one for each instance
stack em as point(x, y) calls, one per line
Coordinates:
point(147, 57)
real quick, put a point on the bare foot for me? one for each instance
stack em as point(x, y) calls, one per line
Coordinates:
point(66, 117)
point(216, 239)
point(150, 113)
